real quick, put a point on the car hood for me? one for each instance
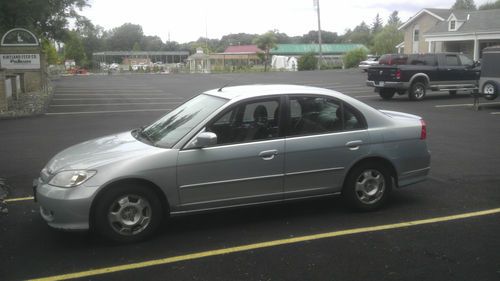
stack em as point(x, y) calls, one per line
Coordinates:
point(98, 152)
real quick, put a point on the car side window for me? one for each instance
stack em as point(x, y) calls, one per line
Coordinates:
point(452, 60)
point(466, 60)
point(248, 121)
point(314, 115)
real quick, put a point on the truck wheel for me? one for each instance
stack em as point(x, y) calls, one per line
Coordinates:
point(417, 91)
point(490, 91)
point(386, 94)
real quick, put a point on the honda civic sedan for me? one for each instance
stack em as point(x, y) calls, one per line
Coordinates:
point(230, 147)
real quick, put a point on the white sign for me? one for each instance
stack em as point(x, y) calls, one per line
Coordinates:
point(20, 61)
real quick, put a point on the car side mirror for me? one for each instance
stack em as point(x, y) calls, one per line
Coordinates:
point(206, 139)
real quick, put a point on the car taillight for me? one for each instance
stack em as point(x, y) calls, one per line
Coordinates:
point(398, 74)
point(423, 130)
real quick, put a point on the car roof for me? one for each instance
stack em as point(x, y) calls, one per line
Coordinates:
point(259, 90)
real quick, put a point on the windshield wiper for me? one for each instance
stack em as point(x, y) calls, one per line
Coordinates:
point(140, 132)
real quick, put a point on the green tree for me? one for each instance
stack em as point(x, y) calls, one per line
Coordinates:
point(73, 49)
point(354, 57)
point(50, 52)
point(136, 47)
point(151, 43)
point(327, 37)
point(46, 18)
point(360, 34)
point(385, 42)
point(464, 5)
point(124, 37)
point(394, 19)
point(490, 5)
point(377, 25)
point(307, 62)
point(266, 42)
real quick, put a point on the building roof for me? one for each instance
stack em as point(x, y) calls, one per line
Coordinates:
point(440, 14)
point(478, 21)
point(242, 49)
point(300, 49)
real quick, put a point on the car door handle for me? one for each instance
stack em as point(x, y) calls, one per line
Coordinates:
point(268, 154)
point(354, 145)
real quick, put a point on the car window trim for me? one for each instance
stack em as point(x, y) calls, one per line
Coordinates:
point(281, 99)
point(343, 104)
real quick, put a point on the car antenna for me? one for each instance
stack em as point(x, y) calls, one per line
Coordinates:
point(225, 85)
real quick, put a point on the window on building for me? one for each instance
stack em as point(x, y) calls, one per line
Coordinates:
point(453, 25)
point(416, 34)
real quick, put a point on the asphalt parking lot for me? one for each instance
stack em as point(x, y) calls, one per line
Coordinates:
point(435, 230)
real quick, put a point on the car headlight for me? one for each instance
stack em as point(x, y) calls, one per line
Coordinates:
point(71, 178)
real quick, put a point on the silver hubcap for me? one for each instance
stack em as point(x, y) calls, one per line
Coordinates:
point(129, 214)
point(419, 92)
point(370, 186)
point(489, 89)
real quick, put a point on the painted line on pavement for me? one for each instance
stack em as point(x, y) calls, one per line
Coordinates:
point(18, 199)
point(108, 111)
point(370, 96)
point(262, 245)
point(495, 113)
point(466, 104)
point(105, 104)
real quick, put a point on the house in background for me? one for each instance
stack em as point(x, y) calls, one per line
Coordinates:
point(236, 56)
point(444, 30)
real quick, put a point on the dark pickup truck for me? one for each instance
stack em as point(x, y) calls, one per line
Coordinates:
point(437, 72)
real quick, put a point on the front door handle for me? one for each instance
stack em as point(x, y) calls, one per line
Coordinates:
point(268, 154)
point(354, 145)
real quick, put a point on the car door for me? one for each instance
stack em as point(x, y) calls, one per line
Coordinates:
point(471, 74)
point(246, 165)
point(451, 72)
point(324, 137)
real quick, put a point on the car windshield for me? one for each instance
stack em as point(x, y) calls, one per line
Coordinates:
point(168, 130)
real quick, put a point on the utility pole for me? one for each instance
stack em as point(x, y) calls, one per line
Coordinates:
point(320, 60)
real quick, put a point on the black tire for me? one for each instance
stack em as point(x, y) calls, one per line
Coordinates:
point(452, 92)
point(358, 195)
point(147, 213)
point(417, 91)
point(386, 94)
point(490, 90)
point(401, 92)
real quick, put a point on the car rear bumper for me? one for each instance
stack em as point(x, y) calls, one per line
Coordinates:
point(387, 84)
point(64, 208)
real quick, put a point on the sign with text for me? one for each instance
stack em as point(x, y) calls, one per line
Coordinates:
point(20, 61)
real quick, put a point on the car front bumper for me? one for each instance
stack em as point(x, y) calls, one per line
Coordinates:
point(64, 208)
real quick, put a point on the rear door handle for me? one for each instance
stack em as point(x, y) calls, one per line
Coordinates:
point(354, 145)
point(268, 154)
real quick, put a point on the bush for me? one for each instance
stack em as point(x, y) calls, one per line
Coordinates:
point(354, 57)
point(307, 62)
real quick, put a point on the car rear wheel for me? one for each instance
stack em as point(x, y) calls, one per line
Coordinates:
point(386, 94)
point(128, 213)
point(490, 91)
point(367, 186)
point(417, 91)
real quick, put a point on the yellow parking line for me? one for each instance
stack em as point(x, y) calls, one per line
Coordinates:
point(18, 199)
point(267, 244)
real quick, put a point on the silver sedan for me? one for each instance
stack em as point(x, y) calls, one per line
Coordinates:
point(232, 147)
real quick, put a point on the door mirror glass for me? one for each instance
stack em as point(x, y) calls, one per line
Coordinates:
point(205, 139)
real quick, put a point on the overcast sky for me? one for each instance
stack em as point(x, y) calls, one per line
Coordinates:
point(187, 20)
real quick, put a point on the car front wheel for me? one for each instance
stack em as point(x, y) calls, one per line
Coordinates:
point(128, 213)
point(490, 91)
point(367, 186)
